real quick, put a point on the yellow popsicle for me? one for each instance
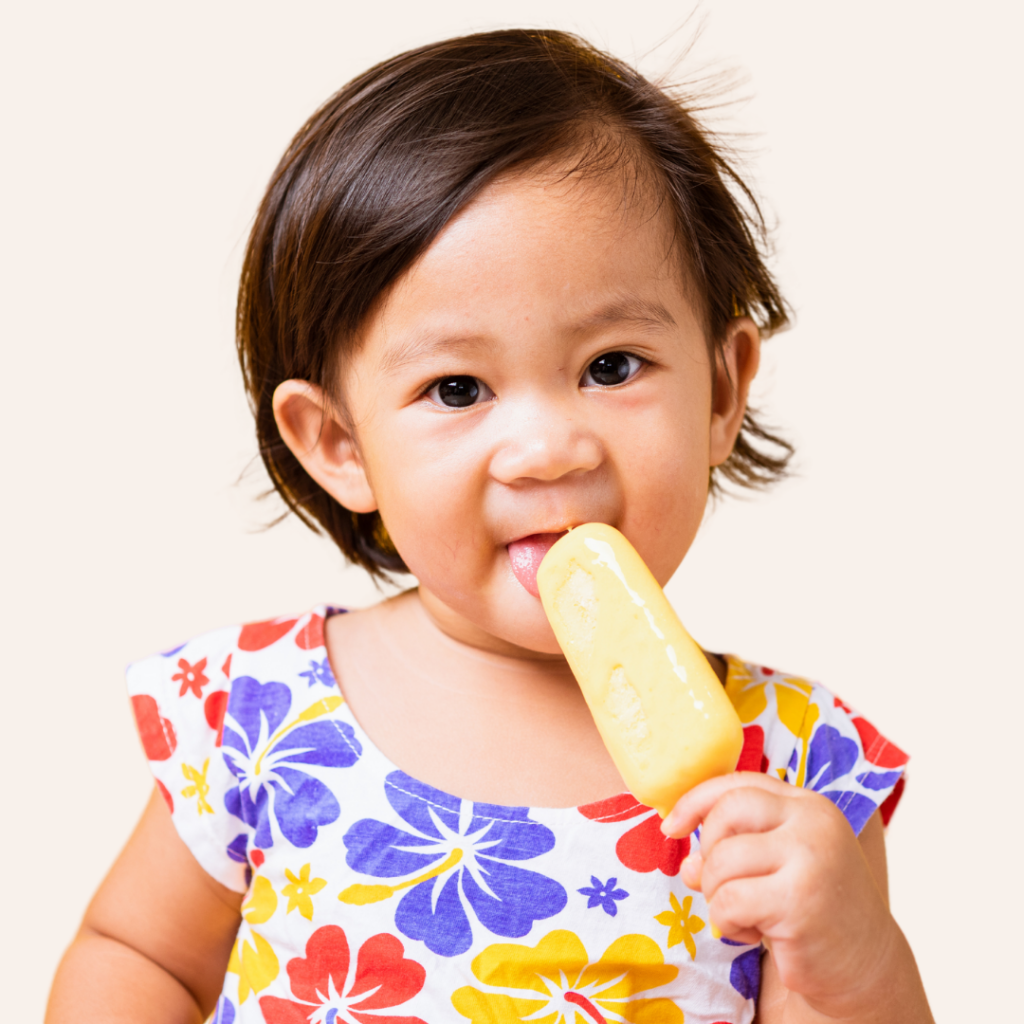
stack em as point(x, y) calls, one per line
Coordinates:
point(661, 710)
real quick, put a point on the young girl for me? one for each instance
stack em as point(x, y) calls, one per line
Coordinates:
point(498, 287)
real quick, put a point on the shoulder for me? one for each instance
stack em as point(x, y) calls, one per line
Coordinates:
point(809, 737)
point(182, 698)
point(201, 666)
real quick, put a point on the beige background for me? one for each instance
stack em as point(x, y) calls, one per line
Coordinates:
point(887, 142)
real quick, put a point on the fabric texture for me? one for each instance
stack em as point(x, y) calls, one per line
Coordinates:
point(372, 897)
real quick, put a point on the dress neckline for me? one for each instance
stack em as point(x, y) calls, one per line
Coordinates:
point(327, 611)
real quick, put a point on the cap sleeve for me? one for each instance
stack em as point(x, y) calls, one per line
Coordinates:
point(841, 755)
point(802, 734)
point(179, 699)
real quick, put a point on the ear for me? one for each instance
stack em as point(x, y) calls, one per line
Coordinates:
point(735, 368)
point(313, 430)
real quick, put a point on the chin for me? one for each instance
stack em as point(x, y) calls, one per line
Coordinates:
point(521, 621)
point(540, 644)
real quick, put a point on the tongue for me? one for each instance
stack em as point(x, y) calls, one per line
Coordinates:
point(526, 554)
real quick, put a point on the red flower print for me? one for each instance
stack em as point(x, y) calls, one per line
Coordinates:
point(643, 847)
point(882, 754)
point(890, 802)
point(311, 635)
point(166, 794)
point(257, 635)
point(752, 758)
point(877, 749)
point(191, 677)
point(214, 708)
point(156, 733)
point(384, 978)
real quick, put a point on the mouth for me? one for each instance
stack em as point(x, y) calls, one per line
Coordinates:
point(526, 555)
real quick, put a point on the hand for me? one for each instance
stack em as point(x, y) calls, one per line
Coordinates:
point(782, 864)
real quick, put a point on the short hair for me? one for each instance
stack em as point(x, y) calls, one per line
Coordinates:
point(377, 172)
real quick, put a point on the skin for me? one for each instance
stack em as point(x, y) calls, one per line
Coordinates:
point(461, 682)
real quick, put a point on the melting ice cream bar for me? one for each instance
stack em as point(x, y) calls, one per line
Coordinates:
point(660, 708)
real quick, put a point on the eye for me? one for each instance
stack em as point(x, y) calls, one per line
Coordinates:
point(459, 392)
point(610, 369)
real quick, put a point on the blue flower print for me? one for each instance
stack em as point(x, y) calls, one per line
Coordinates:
point(458, 853)
point(237, 848)
point(603, 895)
point(745, 973)
point(264, 752)
point(830, 758)
point(319, 672)
point(225, 1013)
point(879, 780)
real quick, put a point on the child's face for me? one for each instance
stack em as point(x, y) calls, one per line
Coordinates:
point(484, 403)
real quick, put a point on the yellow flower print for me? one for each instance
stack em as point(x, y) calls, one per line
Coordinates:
point(744, 690)
point(791, 697)
point(261, 905)
point(255, 963)
point(555, 982)
point(199, 788)
point(682, 925)
point(748, 691)
point(301, 890)
point(804, 735)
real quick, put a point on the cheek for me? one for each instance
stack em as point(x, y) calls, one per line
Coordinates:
point(664, 469)
point(428, 496)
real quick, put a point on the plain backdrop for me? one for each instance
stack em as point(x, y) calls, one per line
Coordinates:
point(884, 137)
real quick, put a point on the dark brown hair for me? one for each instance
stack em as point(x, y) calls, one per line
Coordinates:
point(379, 170)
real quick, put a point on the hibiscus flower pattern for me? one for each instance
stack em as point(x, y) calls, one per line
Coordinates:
point(556, 982)
point(266, 755)
point(644, 847)
point(371, 897)
point(326, 989)
point(823, 758)
point(830, 757)
point(460, 854)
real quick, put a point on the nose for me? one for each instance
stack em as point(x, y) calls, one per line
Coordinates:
point(545, 446)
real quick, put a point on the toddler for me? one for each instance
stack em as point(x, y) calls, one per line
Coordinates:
point(498, 287)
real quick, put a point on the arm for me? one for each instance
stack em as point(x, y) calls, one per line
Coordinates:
point(155, 940)
point(783, 865)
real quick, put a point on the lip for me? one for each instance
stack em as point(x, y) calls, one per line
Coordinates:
point(559, 531)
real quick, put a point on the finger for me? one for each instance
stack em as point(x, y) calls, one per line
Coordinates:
point(742, 856)
point(691, 870)
point(745, 936)
point(745, 906)
point(740, 811)
point(692, 807)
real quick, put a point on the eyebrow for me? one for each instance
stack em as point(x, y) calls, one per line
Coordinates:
point(416, 348)
point(640, 312)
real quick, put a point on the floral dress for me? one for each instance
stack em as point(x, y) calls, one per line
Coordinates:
point(373, 898)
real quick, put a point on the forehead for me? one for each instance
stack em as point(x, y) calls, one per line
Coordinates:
point(547, 248)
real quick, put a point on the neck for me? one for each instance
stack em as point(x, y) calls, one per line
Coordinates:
point(437, 650)
point(458, 630)
point(461, 630)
